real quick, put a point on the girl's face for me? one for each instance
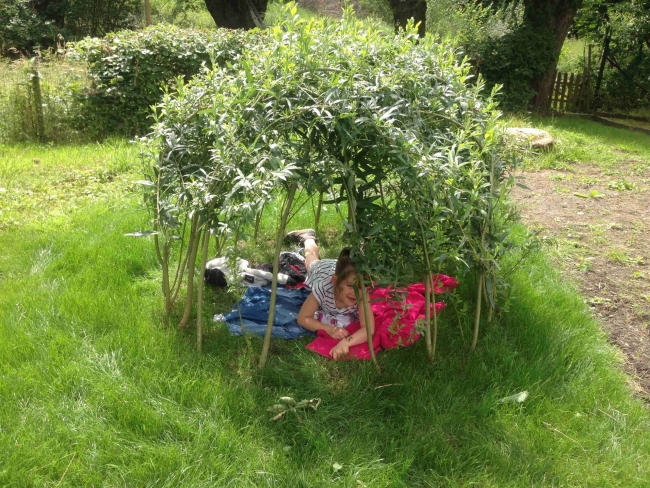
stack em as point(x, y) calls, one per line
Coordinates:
point(344, 291)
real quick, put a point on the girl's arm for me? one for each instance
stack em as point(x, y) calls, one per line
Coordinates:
point(359, 337)
point(307, 321)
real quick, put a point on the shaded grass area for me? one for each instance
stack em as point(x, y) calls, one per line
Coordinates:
point(96, 389)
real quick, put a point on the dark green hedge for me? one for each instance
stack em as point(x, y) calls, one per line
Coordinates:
point(130, 70)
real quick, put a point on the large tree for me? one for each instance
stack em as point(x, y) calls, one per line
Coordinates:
point(403, 10)
point(552, 18)
point(237, 14)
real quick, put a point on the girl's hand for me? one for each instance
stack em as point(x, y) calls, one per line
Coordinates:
point(340, 350)
point(337, 333)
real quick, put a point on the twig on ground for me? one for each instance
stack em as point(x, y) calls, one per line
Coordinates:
point(390, 384)
point(66, 470)
point(562, 433)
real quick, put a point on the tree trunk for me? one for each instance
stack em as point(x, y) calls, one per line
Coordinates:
point(403, 10)
point(237, 14)
point(147, 13)
point(554, 17)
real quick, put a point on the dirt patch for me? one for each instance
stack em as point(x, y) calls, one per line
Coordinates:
point(600, 220)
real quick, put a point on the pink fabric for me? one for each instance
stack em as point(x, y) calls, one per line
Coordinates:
point(396, 312)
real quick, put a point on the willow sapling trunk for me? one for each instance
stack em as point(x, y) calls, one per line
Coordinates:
point(365, 302)
point(318, 211)
point(199, 319)
point(276, 266)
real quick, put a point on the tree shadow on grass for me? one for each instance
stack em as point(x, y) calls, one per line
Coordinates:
point(414, 423)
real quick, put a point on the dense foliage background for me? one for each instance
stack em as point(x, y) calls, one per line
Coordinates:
point(27, 24)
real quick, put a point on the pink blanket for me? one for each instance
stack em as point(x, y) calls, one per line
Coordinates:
point(396, 312)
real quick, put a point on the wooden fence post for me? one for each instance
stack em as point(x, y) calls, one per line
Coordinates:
point(38, 101)
point(588, 80)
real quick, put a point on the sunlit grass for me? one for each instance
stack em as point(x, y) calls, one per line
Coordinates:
point(96, 389)
point(584, 141)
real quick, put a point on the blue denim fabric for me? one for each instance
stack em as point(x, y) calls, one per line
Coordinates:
point(254, 307)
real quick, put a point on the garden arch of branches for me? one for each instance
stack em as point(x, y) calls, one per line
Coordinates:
point(388, 126)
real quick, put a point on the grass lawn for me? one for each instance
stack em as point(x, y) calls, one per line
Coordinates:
point(96, 389)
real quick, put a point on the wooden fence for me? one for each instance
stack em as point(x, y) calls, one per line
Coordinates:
point(571, 93)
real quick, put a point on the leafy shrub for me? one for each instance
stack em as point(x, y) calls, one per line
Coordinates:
point(512, 61)
point(386, 123)
point(130, 70)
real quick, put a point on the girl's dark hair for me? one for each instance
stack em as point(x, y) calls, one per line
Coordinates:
point(344, 266)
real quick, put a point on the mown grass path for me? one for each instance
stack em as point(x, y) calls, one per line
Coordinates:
point(95, 389)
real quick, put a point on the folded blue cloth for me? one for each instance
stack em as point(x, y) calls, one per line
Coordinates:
point(254, 308)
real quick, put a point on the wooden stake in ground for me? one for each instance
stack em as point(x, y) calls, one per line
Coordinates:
point(427, 315)
point(38, 101)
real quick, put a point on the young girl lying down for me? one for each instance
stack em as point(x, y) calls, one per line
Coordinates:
point(332, 304)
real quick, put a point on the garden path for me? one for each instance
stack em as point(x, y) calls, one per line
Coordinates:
point(597, 221)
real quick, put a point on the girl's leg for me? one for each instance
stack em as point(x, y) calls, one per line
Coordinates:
point(306, 237)
point(311, 252)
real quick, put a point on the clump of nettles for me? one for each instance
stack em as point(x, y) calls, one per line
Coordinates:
point(388, 124)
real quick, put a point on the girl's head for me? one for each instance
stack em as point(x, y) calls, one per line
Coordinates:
point(345, 278)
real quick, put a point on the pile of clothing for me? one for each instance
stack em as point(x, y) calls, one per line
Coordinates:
point(291, 272)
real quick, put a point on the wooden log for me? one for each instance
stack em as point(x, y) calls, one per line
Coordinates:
point(619, 126)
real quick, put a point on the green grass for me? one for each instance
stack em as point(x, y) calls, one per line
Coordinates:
point(96, 389)
point(45, 183)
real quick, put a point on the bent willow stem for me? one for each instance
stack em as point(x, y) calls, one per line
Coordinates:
point(193, 248)
point(199, 319)
point(427, 315)
point(365, 301)
point(477, 317)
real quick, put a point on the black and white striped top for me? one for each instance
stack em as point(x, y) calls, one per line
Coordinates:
point(319, 279)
